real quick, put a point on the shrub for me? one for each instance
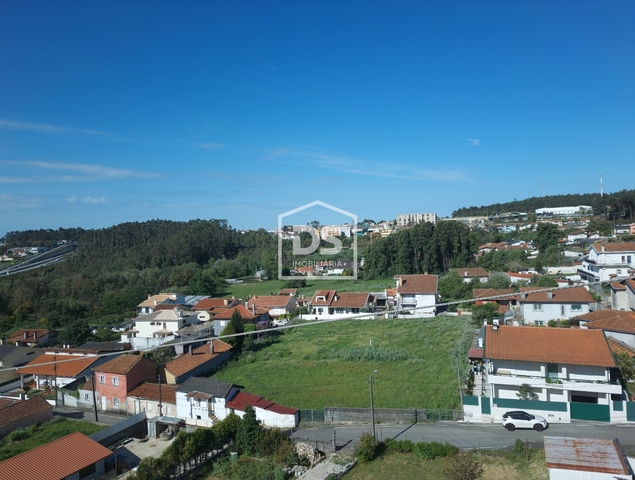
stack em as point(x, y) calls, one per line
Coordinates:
point(18, 435)
point(401, 446)
point(272, 441)
point(432, 450)
point(519, 448)
point(367, 448)
point(462, 467)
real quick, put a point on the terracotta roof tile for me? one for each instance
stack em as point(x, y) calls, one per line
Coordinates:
point(326, 294)
point(67, 365)
point(150, 391)
point(201, 355)
point(494, 292)
point(559, 295)
point(121, 364)
point(288, 291)
point(24, 409)
point(209, 303)
point(350, 300)
point(269, 301)
point(614, 247)
point(617, 286)
point(245, 314)
point(614, 320)
point(548, 345)
point(18, 335)
point(417, 283)
point(470, 272)
point(55, 460)
point(620, 347)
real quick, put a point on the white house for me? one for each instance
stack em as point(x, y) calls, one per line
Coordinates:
point(201, 401)
point(150, 304)
point(162, 324)
point(278, 305)
point(576, 236)
point(558, 304)
point(623, 295)
point(606, 261)
point(268, 413)
point(617, 324)
point(468, 274)
point(331, 304)
point(586, 458)
point(564, 368)
point(417, 294)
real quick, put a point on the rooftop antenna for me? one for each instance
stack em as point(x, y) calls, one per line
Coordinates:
point(601, 187)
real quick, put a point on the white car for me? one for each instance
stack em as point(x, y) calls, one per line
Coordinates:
point(521, 419)
point(279, 323)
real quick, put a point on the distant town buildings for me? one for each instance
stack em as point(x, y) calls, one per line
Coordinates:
point(406, 219)
point(560, 211)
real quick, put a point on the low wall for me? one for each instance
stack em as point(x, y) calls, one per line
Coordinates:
point(388, 415)
point(135, 426)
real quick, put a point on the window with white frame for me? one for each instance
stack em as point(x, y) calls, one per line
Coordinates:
point(576, 307)
point(86, 397)
point(115, 380)
point(537, 307)
point(102, 379)
point(115, 402)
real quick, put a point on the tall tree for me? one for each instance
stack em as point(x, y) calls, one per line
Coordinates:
point(248, 432)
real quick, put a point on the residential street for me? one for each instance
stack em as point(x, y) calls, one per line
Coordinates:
point(464, 435)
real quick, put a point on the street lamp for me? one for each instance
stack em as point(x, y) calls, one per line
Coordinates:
point(372, 408)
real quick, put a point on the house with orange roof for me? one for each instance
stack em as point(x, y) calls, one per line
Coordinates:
point(149, 304)
point(156, 399)
point(115, 378)
point(417, 294)
point(278, 305)
point(538, 307)
point(525, 277)
point(571, 371)
point(74, 456)
point(252, 315)
point(504, 297)
point(208, 308)
point(31, 337)
point(617, 324)
point(22, 413)
point(268, 413)
point(197, 361)
point(331, 304)
point(12, 356)
point(608, 261)
point(623, 295)
point(469, 274)
point(57, 368)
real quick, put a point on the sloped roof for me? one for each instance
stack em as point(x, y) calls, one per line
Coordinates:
point(60, 365)
point(617, 286)
point(24, 409)
point(620, 347)
point(586, 455)
point(209, 303)
point(18, 335)
point(558, 295)
point(201, 355)
point(417, 283)
point(150, 391)
point(494, 292)
point(242, 399)
point(288, 291)
point(245, 314)
point(55, 460)
point(614, 247)
point(470, 272)
point(614, 320)
point(327, 294)
point(121, 364)
point(350, 300)
point(212, 386)
point(154, 300)
point(269, 301)
point(548, 345)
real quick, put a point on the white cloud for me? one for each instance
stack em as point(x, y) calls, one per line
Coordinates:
point(80, 172)
point(474, 142)
point(72, 199)
point(93, 200)
point(43, 127)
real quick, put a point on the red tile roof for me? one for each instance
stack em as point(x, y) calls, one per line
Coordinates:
point(288, 291)
point(417, 283)
point(282, 410)
point(350, 300)
point(150, 391)
point(548, 345)
point(245, 314)
point(617, 286)
point(201, 355)
point(242, 399)
point(121, 364)
point(470, 272)
point(494, 292)
point(558, 295)
point(620, 347)
point(209, 303)
point(24, 409)
point(269, 301)
point(55, 460)
point(18, 336)
point(614, 247)
point(60, 365)
point(327, 294)
point(614, 320)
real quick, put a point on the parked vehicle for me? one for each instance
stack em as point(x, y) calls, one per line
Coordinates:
point(521, 419)
point(279, 323)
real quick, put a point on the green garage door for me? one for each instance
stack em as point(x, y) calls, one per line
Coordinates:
point(590, 411)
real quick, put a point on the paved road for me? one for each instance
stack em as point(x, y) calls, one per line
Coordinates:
point(88, 416)
point(464, 435)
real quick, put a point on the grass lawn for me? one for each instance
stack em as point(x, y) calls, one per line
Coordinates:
point(44, 433)
point(272, 287)
point(406, 466)
point(298, 367)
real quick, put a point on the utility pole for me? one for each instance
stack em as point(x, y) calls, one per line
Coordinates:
point(160, 405)
point(458, 376)
point(94, 377)
point(372, 407)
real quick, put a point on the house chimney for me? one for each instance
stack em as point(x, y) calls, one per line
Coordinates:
point(34, 335)
point(26, 335)
point(3, 341)
point(190, 347)
point(155, 302)
point(550, 295)
point(211, 347)
point(253, 309)
point(149, 296)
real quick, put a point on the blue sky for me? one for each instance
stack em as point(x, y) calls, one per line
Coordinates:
point(129, 111)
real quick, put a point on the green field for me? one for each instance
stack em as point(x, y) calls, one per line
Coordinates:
point(406, 466)
point(299, 368)
point(44, 433)
point(272, 287)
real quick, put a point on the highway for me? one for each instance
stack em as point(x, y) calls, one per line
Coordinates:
point(45, 259)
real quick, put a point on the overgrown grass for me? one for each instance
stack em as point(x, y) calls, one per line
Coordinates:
point(407, 466)
point(298, 368)
point(272, 287)
point(34, 436)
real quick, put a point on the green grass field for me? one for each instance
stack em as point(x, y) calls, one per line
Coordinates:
point(272, 287)
point(44, 433)
point(406, 466)
point(300, 368)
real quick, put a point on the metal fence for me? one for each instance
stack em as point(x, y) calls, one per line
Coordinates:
point(381, 415)
point(307, 415)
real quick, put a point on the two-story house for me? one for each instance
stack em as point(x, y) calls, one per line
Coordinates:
point(149, 305)
point(623, 295)
point(12, 356)
point(469, 274)
point(251, 315)
point(197, 361)
point(57, 368)
point(154, 329)
point(417, 294)
point(208, 308)
point(538, 307)
point(156, 399)
point(606, 261)
point(201, 401)
point(117, 377)
point(278, 305)
point(563, 367)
